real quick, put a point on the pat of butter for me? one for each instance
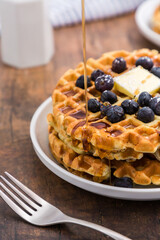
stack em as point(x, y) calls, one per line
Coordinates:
point(135, 81)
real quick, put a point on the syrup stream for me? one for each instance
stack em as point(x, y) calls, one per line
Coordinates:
point(84, 58)
point(85, 142)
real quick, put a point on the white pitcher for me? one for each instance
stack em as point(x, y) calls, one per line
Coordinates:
point(27, 35)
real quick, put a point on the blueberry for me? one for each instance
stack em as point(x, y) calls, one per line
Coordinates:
point(144, 99)
point(115, 114)
point(156, 71)
point(145, 62)
point(155, 105)
point(123, 182)
point(104, 82)
point(130, 106)
point(104, 109)
point(119, 65)
point(108, 96)
point(80, 82)
point(145, 114)
point(96, 73)
point(93, 105)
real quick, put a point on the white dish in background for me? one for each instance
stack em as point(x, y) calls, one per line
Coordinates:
point(143, 18)
point(39, 137)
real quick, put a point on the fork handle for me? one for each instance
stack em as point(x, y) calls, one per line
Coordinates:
point(106, 231)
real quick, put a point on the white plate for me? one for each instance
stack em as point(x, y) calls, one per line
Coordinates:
point(143, 18)
point(39, 137)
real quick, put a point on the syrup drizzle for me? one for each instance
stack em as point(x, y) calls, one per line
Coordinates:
point(69, 93)
point(100, 125)
point(78, 115)
point(80, 124)
point(84, 58)
point(66, 109)
point(115, 133)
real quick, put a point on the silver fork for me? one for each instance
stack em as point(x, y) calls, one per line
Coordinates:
point(41, 213)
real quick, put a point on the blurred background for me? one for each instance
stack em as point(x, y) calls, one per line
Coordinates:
point(26, 37)
point(48, 34)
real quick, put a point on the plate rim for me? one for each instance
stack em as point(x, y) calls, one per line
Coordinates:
point(74, 177)
point(143, 27)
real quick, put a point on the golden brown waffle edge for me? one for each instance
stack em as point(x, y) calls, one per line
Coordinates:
point(142, 172)
point(82, 165)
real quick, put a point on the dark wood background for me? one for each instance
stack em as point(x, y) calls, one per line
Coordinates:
point(21, 92)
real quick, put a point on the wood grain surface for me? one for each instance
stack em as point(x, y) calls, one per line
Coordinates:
point(21, 92)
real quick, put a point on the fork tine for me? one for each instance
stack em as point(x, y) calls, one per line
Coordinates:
point(26, 190)
point(22, 204)
point(26, 199)
point(15, 208)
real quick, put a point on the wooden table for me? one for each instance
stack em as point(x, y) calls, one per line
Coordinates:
point(21, 92)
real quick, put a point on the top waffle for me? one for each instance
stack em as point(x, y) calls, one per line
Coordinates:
point(126, 139)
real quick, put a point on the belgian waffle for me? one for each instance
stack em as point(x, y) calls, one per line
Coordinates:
point(156, 20)
point(128, 139)
point(82, 165)
point(142, 172)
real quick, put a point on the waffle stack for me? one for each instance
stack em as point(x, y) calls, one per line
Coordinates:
point(130, 147)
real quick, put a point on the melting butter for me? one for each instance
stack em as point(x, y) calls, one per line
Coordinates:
point(137, 80)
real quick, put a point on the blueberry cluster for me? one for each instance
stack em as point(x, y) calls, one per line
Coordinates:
point(145, 109)
point(150, 107)
point(147, 63)
point(119, 65)
point(104, 83)
point(146, 106)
